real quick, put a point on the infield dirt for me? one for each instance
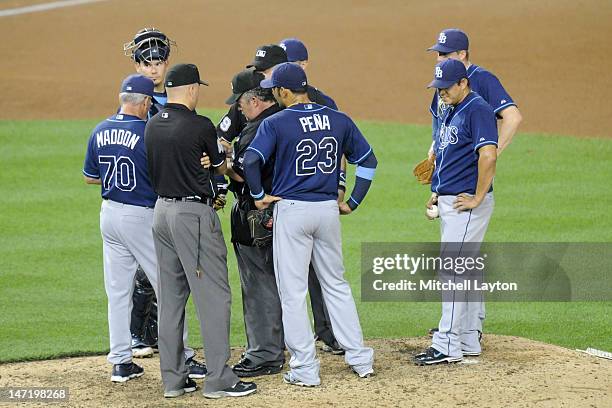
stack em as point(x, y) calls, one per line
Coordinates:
point(552, 56)
point(511, 372)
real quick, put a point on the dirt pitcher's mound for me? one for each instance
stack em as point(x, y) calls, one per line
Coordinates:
point(511, 372)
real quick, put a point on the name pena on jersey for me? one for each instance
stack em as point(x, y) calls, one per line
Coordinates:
point(314, 123)
point(117, 137)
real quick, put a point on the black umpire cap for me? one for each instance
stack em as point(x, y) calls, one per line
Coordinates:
point(183, 74)
point(268, 56)
point(243, 82)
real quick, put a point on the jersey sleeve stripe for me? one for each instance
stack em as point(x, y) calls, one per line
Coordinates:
point(504, 106)
point(433, 113)
point(362, 158)
point(353, 200)
point(258, 196)
point(365, 173)
point(96, 176)
point(258, 152)
point(488, 142)
point(219, 164)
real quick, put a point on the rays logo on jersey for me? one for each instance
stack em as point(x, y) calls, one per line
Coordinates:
point(448, 135)
point(442, 38)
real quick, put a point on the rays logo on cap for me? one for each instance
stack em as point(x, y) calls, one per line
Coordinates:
point(260, 53)
point(442, 38)
point(438, 73)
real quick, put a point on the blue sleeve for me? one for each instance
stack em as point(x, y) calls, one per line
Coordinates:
point(264, 143)
point(433, 108)
point(330, 102)
point(494, 93)
point(363, 179)
point(90, 167)
point(483, 127)
point(356, 147)
point(252, 173)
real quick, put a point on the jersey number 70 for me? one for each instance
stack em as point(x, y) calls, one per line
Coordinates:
point(118, 171)
point(309, 161)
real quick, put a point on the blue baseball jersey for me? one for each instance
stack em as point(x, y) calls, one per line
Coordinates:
point(116, 154)
point(484, 84)
point(464, 129)
point(308, 141)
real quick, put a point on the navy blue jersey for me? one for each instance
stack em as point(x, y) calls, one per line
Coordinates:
point(308, 141)
point(116, 155)
point(484, 84)
point(464, 129)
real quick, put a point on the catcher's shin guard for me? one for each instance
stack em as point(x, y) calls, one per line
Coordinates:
point(143, 299)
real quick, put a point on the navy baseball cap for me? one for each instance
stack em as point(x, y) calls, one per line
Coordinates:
point(183, 74)
point(295, 49)
point(268, 56)
point(139, 84)
point(242, 82)
point(448, 73)
point(288, 76)
point(450, 40)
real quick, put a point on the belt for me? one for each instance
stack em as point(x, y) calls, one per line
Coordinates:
point(190, 199)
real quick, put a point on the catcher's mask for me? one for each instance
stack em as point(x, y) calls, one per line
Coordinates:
point(149, 44)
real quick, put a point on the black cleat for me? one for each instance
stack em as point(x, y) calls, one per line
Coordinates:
point(432, 356)
point(190, 386)
point(240, 389)
point(125, 372)
point(196, 369)
point(246, 368)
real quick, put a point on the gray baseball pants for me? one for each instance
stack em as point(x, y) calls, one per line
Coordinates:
point(127, 239)
point(461, 320)
point(261, 305)
point(305, 231)
point(188, 238)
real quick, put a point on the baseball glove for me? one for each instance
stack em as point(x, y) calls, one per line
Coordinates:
point(260, 224)
point(424, 170)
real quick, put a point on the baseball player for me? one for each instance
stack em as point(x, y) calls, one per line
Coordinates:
point(454, 44)
point(116, 160)
point(466, 153)
point(308, 141)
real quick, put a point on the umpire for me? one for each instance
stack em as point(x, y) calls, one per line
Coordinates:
point(260, 300)
point(189, 242)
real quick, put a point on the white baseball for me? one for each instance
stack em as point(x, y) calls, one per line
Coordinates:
point(433, 212)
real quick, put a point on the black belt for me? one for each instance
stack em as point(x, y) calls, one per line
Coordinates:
point(190, 199)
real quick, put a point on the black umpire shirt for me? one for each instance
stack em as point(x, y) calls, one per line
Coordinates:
point(175, 139)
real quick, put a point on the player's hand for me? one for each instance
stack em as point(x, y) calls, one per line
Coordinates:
point(344, 208)
point(466, 202)
point(205, 161)
point(266, 201)
point(432, 200)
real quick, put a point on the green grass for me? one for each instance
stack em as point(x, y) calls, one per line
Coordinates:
point(51, 281)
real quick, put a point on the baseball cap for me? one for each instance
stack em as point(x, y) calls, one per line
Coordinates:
point(295, 49)
point(268, 56)
point(450, 40)
point(242, 82)
point(183, 74)
point(447, 73)
point(286, 75)
point(138, 84)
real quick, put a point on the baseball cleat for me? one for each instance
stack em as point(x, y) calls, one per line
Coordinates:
point(333, 348)
point(190, 386)
point(124, 372)
point(196, 369)
point(240, 389)
point(365, 373)
point(142, 352)
point(246, 368)
point(290, 379)
point(432, 356)
point(470, 353)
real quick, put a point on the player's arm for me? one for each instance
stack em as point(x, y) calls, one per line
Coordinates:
point(364, 174)
point(91, 180)
point(261, 149)
point(486, 171)
point(511, 119)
